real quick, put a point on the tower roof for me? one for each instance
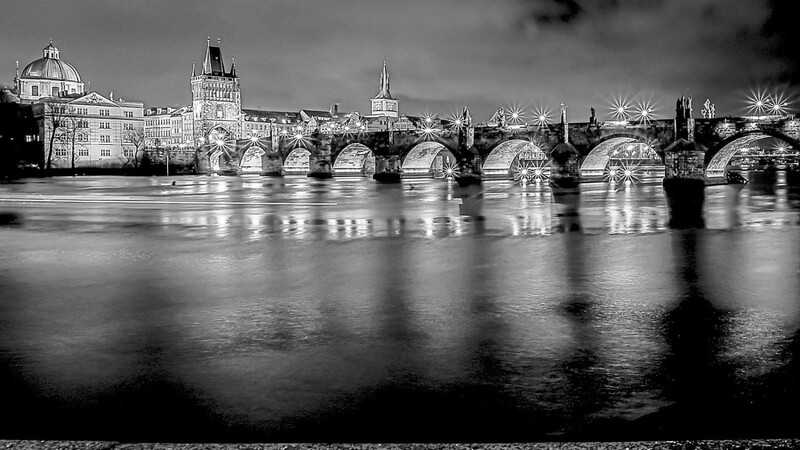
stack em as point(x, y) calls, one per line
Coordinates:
point(213, 64)
point(51, 67)
point(384, 89)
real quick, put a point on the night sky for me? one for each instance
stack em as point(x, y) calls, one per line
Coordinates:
point(442, 55)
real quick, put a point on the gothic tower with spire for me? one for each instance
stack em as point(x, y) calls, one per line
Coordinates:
point(384, 104)
point(216, 98)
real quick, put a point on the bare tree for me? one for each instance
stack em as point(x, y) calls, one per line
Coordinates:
point(73, 130)
point(136, 139)
point(56, 116)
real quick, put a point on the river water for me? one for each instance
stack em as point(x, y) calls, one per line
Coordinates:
point(292, 309)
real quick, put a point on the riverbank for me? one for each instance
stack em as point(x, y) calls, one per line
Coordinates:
point(666, 445)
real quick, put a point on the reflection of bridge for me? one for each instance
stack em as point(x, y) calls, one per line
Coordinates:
point(497, 150)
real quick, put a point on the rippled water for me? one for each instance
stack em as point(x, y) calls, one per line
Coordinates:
point(287, 309)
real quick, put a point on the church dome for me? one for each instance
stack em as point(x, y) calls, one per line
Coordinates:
point(51, 67)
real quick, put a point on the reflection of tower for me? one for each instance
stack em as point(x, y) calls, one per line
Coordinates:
point(216, 97)
point(384, 104)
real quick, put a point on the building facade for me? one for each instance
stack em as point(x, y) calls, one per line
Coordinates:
point(91, 130)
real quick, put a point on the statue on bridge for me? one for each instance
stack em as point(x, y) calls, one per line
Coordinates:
point(501, 117)
point(593, 117)
point(709, 110)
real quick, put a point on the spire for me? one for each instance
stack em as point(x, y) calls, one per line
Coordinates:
point(384, 89)
point(213, 64)
point(207, 60)
point(233, 67)
point(466, 117)
point(17, 76)
point(194, 72)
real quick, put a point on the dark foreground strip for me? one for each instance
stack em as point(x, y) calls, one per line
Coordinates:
point(660, 445)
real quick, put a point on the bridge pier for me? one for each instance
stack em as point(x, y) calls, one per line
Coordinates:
point(271, 163)
point(319, 161)
point(684, 183)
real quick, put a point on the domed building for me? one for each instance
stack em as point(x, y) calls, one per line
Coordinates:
point(48, 76)
point(79, 129)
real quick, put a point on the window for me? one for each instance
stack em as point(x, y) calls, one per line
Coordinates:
point(82, 111)
point(105, 125)
point(220, 112)
point(82, 137)
point(128, 113)
point(128, 152)
point(105, 138)
point(105, 152)
point(55, 91)
point(104, 112)
point(83, 152)
point(61, 152)
point(127, 126)
point(35, 91)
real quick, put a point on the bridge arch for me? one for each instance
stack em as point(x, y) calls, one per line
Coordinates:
point(352, 160)
point(501, 159)
point(251, 159)
point(422, 159)
point(718, 159)
point(297, 162)
point(594, 164)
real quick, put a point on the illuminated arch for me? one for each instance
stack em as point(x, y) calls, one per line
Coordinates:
point(501, 159)
point(251, 160)
point(351, 159)
point(716, 165)
point(219, 132)
point(421, 158)
point(297, 162)
point(596, 161)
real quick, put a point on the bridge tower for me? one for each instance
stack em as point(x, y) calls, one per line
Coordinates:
point(384, 104)
point(684, 123)
point(216, 97)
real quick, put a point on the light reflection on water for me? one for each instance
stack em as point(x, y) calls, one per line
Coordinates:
point(375, 317)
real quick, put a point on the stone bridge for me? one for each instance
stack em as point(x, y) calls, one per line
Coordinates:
point(496, 150)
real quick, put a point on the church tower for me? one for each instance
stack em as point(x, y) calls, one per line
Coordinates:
point(216, 97)
point(384, 104)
